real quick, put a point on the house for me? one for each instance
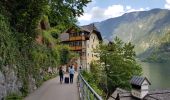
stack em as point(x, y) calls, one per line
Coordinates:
point(83, 40)
point(140, 91)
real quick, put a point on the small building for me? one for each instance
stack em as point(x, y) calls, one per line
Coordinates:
point(83, 40)
point(140, 86)
point(140, 91)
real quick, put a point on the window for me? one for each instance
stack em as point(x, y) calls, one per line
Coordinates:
point(83, 54)
point(77, 43)
point(71, 43)
point(80, 43)
point(79, 33)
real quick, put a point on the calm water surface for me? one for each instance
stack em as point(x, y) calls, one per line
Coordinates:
point(158, 74)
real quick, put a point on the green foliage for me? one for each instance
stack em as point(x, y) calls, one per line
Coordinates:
point(25, 15)
point(65, 11)
point(13, 96)
point(51, 36)
point(7, 44)
point(73, 55)
point(49, 76)
point(118, 64)
point(160, 52)
point(65, 54)
point(91, 79)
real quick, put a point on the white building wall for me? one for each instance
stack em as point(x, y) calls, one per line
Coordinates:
point(144, 89)
point(91, 44)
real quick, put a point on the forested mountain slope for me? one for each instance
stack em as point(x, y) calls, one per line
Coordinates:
point(145, 29)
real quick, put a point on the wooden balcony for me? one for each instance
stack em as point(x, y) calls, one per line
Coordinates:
point(83, 57)
point(76, 48)
point(77, 38)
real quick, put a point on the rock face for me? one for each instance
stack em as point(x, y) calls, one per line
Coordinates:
point(9, 82)
point(2, 85)
point(32, 84)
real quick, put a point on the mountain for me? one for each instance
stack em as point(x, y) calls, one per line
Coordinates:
point(145, 29)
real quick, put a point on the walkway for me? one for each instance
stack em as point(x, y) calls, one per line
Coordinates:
point(53, 90)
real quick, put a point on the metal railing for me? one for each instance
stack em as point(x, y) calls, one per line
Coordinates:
point(86, 91)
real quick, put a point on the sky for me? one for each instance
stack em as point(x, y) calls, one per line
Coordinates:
point(99, 10)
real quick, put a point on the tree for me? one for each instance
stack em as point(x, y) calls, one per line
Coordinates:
point(119, 65)
point(65, 11)
point(25, 15)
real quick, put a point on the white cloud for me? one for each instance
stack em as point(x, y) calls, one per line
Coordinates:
point(167, 5)
point(98, 14)
point(128, 7)
point(85, 17)
point(168, 1)
point(114, 11)
point(140, 9)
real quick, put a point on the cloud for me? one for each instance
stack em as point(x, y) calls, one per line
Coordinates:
point(140, 9)
point(98, 14)
point(114, 11)
point(168, 1)
point(85, 17)
point(128, 7)
point(167, 5)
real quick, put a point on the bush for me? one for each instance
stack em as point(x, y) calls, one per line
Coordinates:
point(13, 96)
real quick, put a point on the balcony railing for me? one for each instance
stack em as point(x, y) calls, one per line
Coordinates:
point(86, 91)
point(76, 38)
point(83, 57)
point(76, 47)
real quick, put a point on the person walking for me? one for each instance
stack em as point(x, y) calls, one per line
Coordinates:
point(80, 67)
point(71, 71)
point(61, 74)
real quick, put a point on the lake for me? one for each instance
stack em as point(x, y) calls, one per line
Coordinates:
point(158, 74)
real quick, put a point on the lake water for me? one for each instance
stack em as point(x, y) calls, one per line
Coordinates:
point(158, 74)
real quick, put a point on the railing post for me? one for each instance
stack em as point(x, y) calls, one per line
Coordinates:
point(88, 97)
point(87, 93)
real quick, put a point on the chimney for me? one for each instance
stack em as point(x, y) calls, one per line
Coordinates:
point(140, 86)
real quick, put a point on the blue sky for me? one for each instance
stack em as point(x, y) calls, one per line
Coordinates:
point(99, 10)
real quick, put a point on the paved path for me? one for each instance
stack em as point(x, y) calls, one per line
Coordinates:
point(53, 90)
